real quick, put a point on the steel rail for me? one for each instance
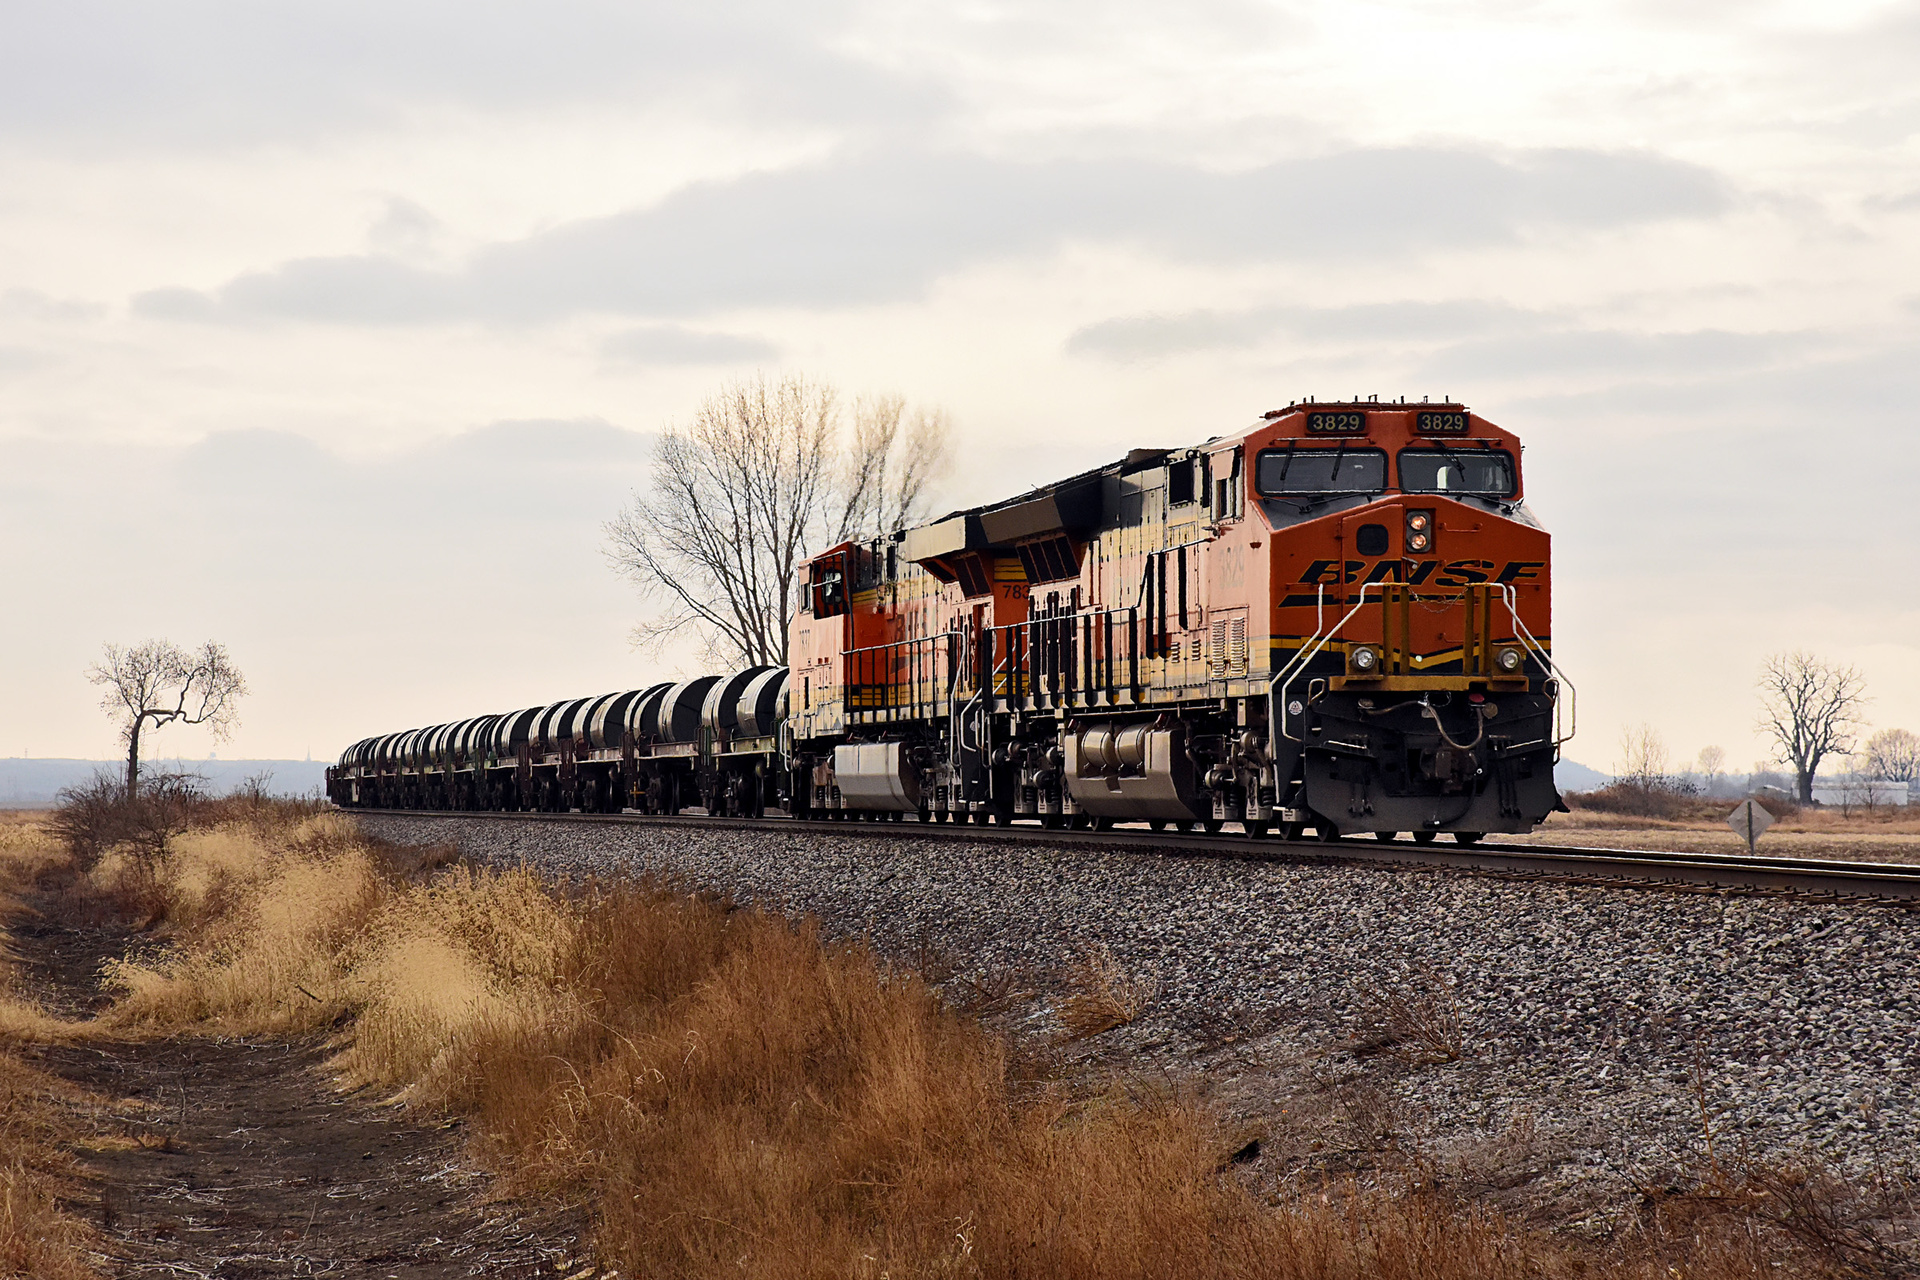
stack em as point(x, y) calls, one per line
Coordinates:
point(1866, 883)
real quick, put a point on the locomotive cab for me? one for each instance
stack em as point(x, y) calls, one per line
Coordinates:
point(1413, 686)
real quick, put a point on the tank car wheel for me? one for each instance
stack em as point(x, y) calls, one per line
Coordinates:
point(1467, 837)
point(1386, 837)
point(1327, 832)
point(1102, 823)
point(1211, 826)
point(1156, 824)
point(1256, 830)
point(1003, 817)
point(1053, 821)
point(1424, 837)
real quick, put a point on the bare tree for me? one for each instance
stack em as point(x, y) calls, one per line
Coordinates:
point(1811, 710)
point(1894, 755)
point(1643, 757)
point(1712, 761)
point(159, 683)
point(765, 474)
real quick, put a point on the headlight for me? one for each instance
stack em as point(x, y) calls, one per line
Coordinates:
point(1364, 660)
point(1419, 532)
point(1509, 660)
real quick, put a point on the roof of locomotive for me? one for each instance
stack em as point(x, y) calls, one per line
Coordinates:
point(1074, 505)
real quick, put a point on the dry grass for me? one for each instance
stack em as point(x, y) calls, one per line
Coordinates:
point(1414, 1017)
point(734, 1095)
point(38, 1238)
point(1101, 995)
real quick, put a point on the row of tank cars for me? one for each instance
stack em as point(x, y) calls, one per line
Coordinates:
point(710, 742)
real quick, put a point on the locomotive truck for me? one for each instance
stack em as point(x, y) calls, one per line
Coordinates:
point(1336, 620)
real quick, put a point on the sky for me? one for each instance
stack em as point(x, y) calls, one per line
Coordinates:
point(335, 333)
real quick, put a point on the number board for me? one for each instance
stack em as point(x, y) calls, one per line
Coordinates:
point(1336, 424)
point(1447, 422)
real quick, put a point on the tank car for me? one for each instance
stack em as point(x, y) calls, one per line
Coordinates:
point(1335, 620)
point(712, 742)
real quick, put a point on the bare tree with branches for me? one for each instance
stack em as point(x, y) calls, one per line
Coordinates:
point(1712, 761)
point(766, 473)
point(1894, 755)
point(159, 683)
point(1811, 709)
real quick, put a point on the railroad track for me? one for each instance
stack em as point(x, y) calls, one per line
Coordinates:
point(1862, 883)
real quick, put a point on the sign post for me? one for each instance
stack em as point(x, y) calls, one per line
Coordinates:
point(1749, 820)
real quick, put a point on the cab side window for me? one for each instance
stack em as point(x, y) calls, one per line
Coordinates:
point(829, 589)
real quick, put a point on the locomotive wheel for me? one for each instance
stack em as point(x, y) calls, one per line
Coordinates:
point(1467, 837)
point(1424, 837)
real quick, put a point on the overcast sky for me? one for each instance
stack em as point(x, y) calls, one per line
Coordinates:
point(335, 332)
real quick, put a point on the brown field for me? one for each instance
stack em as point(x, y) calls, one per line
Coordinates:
point(1696, 826)
point(723, 1091)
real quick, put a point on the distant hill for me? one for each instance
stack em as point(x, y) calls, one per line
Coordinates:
point(33, 784)
point(1569, 776)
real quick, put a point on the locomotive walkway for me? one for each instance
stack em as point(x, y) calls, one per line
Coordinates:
point(1834, 880)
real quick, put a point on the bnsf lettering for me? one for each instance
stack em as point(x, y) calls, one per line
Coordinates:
point(1455, 573)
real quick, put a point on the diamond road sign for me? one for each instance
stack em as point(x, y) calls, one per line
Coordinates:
point(1749, 820)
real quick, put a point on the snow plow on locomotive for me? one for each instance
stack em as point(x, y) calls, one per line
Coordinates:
point(1335, 621)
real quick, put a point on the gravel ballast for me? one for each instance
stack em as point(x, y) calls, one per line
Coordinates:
point(1607, 1033)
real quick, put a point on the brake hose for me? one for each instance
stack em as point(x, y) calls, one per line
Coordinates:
point(1432, 713)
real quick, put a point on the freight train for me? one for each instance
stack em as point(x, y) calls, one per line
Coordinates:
point(1333, 621)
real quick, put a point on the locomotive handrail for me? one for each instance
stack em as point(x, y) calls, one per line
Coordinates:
point(920, 670)
point(1545, 659)
point(1304, 655)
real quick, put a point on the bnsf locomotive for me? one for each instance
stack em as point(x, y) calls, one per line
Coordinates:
point(1335, 620)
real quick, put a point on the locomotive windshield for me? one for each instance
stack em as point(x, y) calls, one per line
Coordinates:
point(1280, 472)
point(1481, 473)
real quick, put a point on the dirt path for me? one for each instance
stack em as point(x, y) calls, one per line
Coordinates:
point(235, 1159)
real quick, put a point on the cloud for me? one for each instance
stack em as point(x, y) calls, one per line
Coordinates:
point(667, 344)
point(882, 227)
point(220, 72)
point(31, 304)
point(1156, 335)
point(21, 359)
point(1577, 352)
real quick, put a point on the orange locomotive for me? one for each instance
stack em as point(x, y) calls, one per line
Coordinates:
point(1337, 619)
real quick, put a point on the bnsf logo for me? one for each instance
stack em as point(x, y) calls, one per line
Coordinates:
point(1454, 573)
